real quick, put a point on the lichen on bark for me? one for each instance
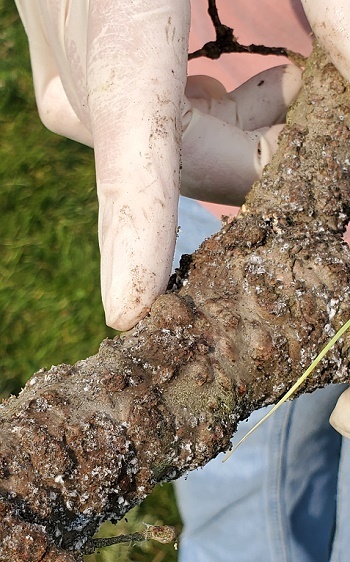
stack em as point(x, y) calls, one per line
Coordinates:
point(241, 320)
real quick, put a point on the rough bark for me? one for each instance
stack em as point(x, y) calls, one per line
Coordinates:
point(243, 317)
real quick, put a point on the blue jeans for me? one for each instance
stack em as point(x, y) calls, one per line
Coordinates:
point(284, 495)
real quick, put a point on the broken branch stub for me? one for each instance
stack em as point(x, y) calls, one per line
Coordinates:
point(245, 316)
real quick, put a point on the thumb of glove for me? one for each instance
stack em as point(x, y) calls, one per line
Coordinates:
point(340, 417)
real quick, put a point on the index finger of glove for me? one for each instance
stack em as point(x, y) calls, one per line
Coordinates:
point(136, 72)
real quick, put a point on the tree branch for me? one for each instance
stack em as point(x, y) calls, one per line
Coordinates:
point(243, 318)
point(225, 42)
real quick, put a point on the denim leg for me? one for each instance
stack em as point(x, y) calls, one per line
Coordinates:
point(223, 505)
point(274, 500)
point(195, 224)
point(341, 542)
point(304, 453)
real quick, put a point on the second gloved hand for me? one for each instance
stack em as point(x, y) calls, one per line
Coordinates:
point(229, 137)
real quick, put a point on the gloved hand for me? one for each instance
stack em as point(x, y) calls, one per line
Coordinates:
point(111, 74)
point(330, 21)
point(340, 417)
point(229, 137)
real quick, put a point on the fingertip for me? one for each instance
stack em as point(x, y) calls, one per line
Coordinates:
point(330, 22)
point(282, 83)
point(291, 83)
point(124, 320)
point(127, 301)
point(130, 284)
point(268, 144)
point(204, 87)
point(340, 417)
point(264, 100)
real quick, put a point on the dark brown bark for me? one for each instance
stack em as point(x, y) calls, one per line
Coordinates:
point(244, 317)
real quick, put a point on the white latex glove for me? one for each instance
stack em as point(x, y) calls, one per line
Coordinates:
point(330, 21)
point(340, 417)
point(111, 74)
point(229, 137)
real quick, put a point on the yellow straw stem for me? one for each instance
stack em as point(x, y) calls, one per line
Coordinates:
point(295, 386)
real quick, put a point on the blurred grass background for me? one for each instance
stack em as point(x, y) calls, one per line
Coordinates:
point(50, 304)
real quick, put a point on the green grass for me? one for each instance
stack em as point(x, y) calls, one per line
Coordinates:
point(50, 304)
point(49, 264)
